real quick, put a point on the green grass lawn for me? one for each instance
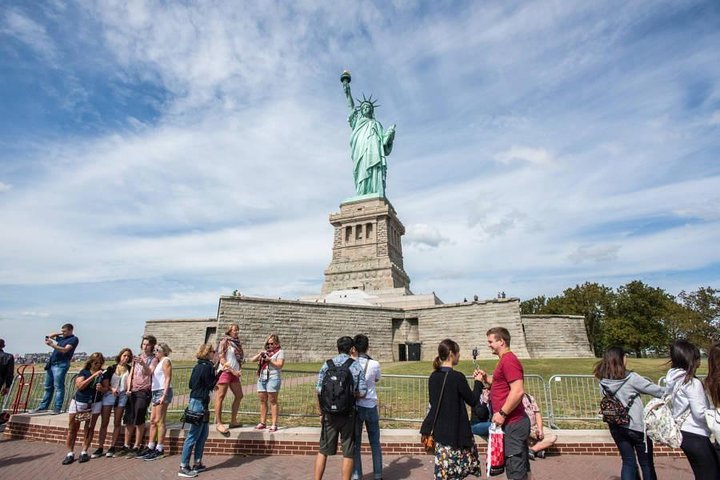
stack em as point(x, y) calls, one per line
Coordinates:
point(652, 368)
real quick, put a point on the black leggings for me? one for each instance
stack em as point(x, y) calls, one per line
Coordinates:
point(701, 455)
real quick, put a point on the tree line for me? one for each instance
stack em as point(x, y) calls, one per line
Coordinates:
point(638, 317)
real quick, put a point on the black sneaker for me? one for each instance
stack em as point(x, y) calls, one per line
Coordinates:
point(131, 452)
point(199, 467)
point(39, 410)
point(84, 457)
point(110, 453)
point(531, 454)
point(154, 455)
point(142, 452)
point(97, 453)
point(540, 454)
point(185, 472)
point(69, 458)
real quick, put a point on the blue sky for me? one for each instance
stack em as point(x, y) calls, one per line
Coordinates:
point(156, 155)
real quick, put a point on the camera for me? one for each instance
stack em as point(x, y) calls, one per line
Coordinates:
point(474, 355)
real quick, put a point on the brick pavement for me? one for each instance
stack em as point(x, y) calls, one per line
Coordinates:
point(35, 460)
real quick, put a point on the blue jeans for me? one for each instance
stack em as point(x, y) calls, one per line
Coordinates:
point(54, 382)
point(371, 419)
point(196, 436)
point(481, 429)
point(631, 444)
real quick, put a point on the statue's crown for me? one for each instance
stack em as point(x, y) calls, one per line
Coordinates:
point(369, 101)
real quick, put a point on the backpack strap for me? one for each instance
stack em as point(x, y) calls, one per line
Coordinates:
point(330, 365)
point(618, 388)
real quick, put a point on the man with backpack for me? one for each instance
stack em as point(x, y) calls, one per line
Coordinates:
point(340, 382)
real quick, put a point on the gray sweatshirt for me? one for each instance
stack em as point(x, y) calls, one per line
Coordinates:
point(635, 384)
point(691, 393)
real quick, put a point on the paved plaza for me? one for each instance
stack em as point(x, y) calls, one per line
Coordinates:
point(22, 459)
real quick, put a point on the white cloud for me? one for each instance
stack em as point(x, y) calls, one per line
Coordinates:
point(29, 32)
point(715, 118)
point(594, 253)
point(424, 236)
point(539, 145)
point(535, 156)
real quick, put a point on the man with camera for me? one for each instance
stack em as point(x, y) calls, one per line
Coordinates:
point(63, 344)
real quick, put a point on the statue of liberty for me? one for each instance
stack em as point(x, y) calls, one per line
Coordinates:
point(369, 143)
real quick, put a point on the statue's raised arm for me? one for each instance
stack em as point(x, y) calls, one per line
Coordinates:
point(369, 143)
point(345, 79)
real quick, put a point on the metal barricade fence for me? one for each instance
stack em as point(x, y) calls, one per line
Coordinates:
point(570, 400)
point(573, 398)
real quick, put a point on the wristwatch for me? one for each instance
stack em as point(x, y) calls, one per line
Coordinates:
point(502, 414)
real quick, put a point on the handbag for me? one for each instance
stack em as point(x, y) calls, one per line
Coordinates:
point(194, 418)
point(83, 415)
point(496, 451)
point(428, 441)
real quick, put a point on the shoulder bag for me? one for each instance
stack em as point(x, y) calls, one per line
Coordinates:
point(428, 441)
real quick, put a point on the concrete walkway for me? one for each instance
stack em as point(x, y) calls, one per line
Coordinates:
point(28, 460)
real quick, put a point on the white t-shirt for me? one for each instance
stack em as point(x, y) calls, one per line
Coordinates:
point(272, 370)
point(372, 375)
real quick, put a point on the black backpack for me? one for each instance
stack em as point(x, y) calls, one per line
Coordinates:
point(337, 394)
point(611, 408)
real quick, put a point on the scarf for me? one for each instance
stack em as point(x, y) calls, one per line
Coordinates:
point(264, 362)
point(227, 342)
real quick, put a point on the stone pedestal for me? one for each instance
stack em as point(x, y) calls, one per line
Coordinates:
point(367, 248)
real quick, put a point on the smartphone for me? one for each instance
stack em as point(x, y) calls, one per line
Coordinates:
point(475, 354)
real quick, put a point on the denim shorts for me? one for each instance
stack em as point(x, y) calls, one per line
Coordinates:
point(157, 394)
point(270, 385)
point(110, 400)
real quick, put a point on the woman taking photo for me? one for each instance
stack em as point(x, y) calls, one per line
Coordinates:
point(456, 454)
point(162, 395)
point(230, 367)
point(627, 386)
point(87, 401)
point(115, 398)
point(270, 362)
point(689, 403)
point(202, 382)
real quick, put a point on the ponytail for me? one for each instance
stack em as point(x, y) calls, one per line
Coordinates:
point(445, 347)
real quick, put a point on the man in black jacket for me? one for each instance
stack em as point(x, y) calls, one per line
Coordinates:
point(7, 369)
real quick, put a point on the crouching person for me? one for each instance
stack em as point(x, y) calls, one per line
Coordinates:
point(538, 442)
point(341, 380)
point(202, 382)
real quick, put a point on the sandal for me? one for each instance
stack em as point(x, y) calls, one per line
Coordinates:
point(273, 428)
point(260, 426)
point(222, 429)
point(235, 425)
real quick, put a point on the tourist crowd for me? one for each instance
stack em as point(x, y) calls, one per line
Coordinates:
point(133, 385)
